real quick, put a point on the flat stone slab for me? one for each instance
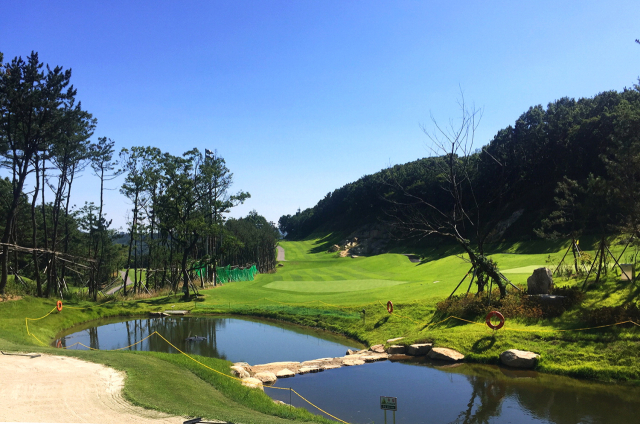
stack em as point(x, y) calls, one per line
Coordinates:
point(519, 358)
point(395, 340)
point(172, 312)
point(420, 349)
point(350, 362)
point(396, 350)
point(306, 370)
point(445, 354)
point(331, 367)
point(285, 373)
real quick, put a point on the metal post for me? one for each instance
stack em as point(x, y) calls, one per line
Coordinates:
point(385, 416)
point(394, 417)
point(289, 399)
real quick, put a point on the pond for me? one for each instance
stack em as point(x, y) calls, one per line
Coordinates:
point(427, 391)
point(233, 339)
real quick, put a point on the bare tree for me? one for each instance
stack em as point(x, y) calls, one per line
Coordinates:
point(454, 209)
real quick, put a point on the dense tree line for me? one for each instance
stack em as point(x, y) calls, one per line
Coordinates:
point(586, 149)
point(178, 203)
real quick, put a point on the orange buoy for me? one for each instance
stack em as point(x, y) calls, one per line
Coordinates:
point(390, 307)
point(59, 305)
point(497, 315)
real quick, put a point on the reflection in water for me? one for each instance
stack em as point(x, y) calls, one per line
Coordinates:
point(225, 338)
point(547, 398)
point(467, 393)
point(427, 391)
point(485, 401)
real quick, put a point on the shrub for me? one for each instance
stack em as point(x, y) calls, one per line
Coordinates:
point(516, 305)
point(608, 315)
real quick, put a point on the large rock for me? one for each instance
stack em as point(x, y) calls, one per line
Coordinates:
point(239, 372)
point(396, 349)
point(419, 349)
point(285, 373)
point(377, 348)
point(266, 377)
point(253, 383)
point(334, 248)
point(540, 282)
point(445, 354)
point(519, 358)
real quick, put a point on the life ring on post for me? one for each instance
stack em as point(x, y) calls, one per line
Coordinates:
point(497, 315)
point(390, 307)
point(59, 305)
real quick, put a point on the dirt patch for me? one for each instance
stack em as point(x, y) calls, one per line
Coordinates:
point(58, 389)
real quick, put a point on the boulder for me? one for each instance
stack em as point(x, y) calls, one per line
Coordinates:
point(266, 377)
point(285, 373)
point(377, 348)
point(419, 349)
point(334, 248)
point(351, 352)
point(540, 282)
point(239, 372)
point(519, 358)
point(396, 349)
point(253, 383)
point(445, 354)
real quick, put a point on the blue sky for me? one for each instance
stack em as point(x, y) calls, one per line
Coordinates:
point(303, 97)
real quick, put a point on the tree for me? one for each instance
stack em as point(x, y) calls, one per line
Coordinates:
point(30, 100)
point(457, 211)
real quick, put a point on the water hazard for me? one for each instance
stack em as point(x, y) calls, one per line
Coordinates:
point(427, 392)
point(233, 339)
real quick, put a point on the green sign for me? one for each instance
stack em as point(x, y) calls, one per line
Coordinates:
point(388, 403)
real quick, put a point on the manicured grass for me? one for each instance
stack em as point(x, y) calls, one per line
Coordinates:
point(319, 289)
point(339, 286)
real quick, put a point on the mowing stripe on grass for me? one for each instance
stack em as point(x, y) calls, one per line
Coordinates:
point(336, 286)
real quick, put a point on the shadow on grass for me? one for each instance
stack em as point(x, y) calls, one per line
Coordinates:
point(483, 344)
point(324, 243)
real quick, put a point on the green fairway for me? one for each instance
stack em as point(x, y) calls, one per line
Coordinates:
point(524, 269)
point(337, 286)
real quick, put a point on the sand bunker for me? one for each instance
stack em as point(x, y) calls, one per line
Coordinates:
point(56, 389)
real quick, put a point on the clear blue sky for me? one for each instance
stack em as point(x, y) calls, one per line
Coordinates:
point(301, 97)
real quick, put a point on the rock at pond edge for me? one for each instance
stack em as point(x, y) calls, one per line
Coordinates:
point(519, 358)
point(445, 354)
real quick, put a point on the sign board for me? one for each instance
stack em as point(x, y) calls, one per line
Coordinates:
point(388, 403)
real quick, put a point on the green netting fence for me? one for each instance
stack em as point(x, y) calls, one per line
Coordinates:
point(227, 274)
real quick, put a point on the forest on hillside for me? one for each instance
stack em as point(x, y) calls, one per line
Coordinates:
point(177, 205)
point(564, 170)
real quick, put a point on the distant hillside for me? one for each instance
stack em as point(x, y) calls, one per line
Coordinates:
point(527, 159)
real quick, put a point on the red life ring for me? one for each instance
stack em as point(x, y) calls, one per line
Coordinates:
point(497, 315)
point(59, 344)
point(59, 305)
point(390, 307)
